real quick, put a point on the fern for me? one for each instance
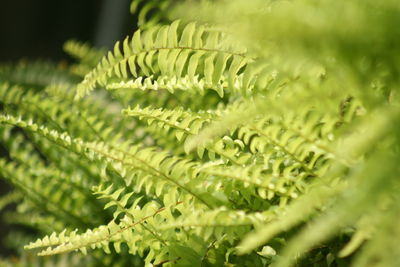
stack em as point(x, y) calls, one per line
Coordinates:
point(264, 138)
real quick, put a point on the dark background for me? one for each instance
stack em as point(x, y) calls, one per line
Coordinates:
point(37, 29)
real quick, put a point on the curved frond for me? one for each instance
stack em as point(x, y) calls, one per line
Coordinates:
point(162, 54)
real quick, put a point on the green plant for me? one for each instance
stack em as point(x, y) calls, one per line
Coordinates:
point(269, 136)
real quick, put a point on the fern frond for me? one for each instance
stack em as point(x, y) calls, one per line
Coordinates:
point(186, 123)
point(305, 140)
point(381, 243)
point(83, 52)
point(37, 74)
point(26, 260)
point(33, 219)
point(150, 162)
point(150, 13)
point(220, 223)
point(269, 106)
point(365, 227)
point(259, 181)
point(40, 106)
point(9, 198)
point(341, 214)
point(307, 204)
point(128, 231)
point(183, 124)
point(329, 223)
point(39, 191)
point(167, 52)
point(86, 56)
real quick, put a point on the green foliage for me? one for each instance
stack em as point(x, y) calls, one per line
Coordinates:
point(263, 133)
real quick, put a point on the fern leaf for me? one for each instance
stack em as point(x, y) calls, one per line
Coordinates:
point(150, 51)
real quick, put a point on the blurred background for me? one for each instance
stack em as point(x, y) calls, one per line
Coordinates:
point(37, 29)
